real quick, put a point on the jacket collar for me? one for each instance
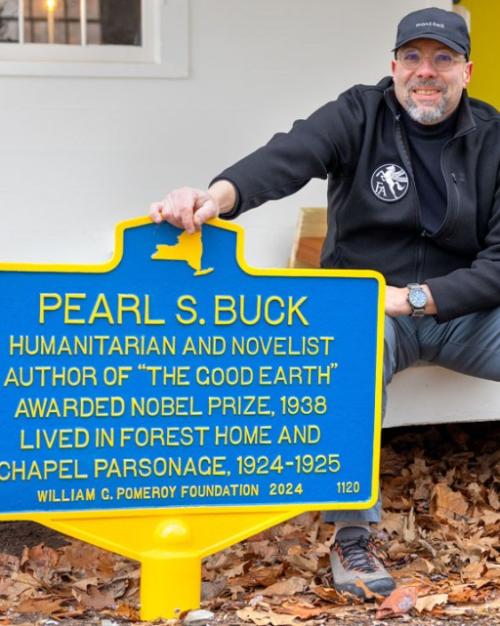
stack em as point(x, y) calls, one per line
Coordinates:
point(465, 121)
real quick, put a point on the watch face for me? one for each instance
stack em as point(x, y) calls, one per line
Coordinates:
point(417, 298)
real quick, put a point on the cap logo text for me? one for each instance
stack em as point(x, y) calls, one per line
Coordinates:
point(423, 24)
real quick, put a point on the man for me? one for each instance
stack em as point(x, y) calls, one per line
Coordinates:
point(413, 169)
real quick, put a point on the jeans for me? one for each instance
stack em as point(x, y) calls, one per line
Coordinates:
point(469, 344)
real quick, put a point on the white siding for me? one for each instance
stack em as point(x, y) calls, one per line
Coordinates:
point(78, 155)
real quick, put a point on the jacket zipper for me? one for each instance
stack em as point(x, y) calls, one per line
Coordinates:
point(404, 153)
point(457, 205)
point(452, 208)
point(448, 232)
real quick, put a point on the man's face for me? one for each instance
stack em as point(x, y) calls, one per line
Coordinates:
point(429, 94)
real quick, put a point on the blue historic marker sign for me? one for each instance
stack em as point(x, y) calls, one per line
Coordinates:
point(175, 376)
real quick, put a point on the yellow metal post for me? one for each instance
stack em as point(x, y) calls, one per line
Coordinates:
point(171, 575)
point(170, 584)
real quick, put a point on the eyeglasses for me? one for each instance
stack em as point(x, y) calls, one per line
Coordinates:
point(441, 60)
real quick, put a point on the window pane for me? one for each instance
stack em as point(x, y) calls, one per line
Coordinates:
point(67, 31)
point(119, 21)
point(94, 32)
point(9, 24)
point(52, 21)
point(93, 10)
point(73, 10)
point(36, 9)
point(36, 31)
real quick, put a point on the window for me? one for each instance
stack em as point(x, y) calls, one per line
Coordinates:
point(94, 37)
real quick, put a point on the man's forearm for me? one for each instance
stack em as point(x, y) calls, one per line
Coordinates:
point(224, 194)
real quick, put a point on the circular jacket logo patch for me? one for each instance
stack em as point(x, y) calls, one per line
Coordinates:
point(390, 182)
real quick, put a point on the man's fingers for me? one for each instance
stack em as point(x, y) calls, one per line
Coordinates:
point(183, 203)
point(185, 208)
point(206, 211)
point(160, 211)
point(173, 208)
point(155, 212)
point(170, 211)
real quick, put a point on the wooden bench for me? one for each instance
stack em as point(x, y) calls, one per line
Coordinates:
point(443, 396)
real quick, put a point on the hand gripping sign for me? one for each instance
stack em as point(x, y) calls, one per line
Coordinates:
point(174, 401)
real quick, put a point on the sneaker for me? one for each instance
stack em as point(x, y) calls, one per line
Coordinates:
point(353, 558)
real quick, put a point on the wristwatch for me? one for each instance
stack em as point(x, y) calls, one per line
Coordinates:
point(417, 299)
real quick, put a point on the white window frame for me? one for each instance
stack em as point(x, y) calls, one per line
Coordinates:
point(163, 53)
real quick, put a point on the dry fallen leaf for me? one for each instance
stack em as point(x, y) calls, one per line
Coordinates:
point(473, 571)
point(304, 610)
point(210, 590)
point(392, 523)
point(96, 599)
point(41, 561)
point(287, 587)
point(259, 577)
point(263, 549)
point(446, 503)
point(416, 567)
point(127, 612)
point(13, 588)
point(409, 528)
point(84, 583)
point(8, 564)
point(303, 563)
point(399, 602)
point(330, 594)
point(262, 618)
point(88, 559)
point(49, 606)
point(427, 603)
point(472, 609)
point(494, 500)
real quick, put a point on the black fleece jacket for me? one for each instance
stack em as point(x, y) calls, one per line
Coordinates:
point(374, 219)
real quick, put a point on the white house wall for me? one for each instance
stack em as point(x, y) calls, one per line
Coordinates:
point(78, 155)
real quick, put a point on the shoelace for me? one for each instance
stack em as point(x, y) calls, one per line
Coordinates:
point(356, 554)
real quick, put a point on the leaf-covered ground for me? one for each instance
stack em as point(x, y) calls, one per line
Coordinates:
point(440, 537)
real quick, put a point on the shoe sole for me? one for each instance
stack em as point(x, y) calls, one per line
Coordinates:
point(382, 587)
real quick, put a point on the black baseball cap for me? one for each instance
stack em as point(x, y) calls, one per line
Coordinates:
point(444, 26)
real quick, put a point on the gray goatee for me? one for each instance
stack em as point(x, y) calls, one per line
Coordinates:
point(423, 114)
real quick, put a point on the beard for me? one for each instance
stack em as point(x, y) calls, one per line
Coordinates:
point(426, 114)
